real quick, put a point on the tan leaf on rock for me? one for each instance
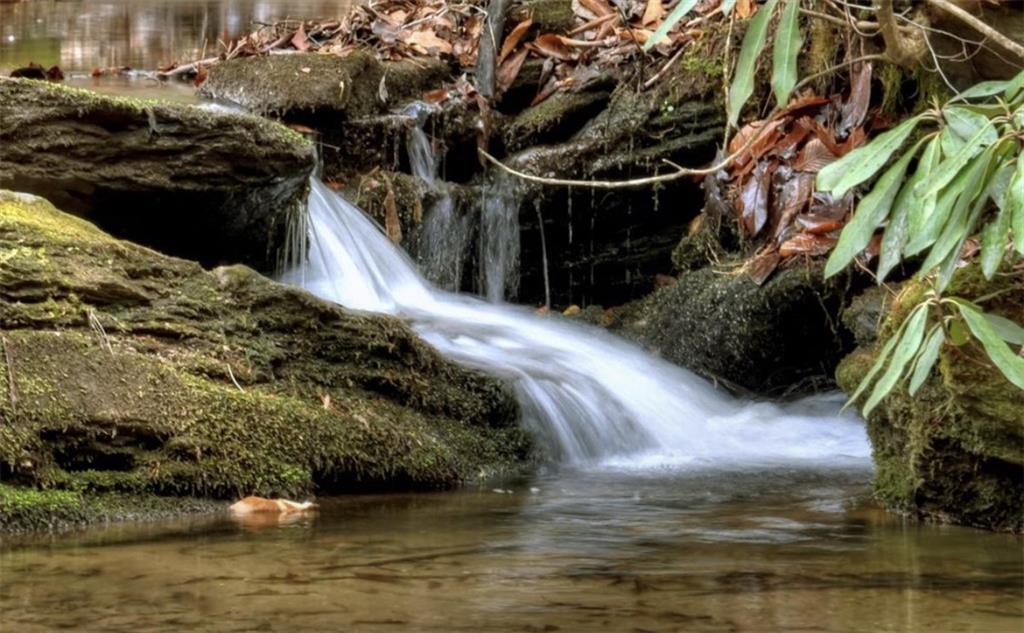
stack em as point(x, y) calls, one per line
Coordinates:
point(550, 45)
point(513, 38)
point(299, 40)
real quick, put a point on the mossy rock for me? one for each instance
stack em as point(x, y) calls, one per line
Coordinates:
point(194, 182)
point(954, 452)
point(125, 371)
point(781, 338)
point(301, 86)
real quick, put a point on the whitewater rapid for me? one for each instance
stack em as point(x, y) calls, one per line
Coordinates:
point(590, 396)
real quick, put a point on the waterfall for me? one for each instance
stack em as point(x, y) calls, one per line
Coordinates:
point(588, 395)
point(499, 238)
point(444, 241)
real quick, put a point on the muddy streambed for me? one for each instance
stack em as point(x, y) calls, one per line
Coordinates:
point(769, 549)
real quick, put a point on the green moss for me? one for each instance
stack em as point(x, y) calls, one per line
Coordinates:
point(955, 450)
point(145, 375)
point(29, 509)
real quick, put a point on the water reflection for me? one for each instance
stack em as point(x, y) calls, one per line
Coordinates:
point(659, 551)
point(85, 34)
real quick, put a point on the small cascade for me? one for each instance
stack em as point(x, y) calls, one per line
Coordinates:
point(444, 240)
point(590, 396)
point(499, 238)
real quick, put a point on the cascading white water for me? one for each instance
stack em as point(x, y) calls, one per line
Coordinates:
point(444, 240)
point(499, 238)
point(592, 396)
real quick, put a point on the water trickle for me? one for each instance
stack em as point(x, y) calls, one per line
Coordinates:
point(588, 395)
point(499, 238)
point(445, 237)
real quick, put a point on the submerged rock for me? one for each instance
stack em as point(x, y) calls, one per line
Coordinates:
point(200, 183)
point(954, 452)
point(123, 371)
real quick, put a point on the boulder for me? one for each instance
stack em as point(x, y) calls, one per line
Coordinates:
point(195, 182)
point(123, 371)
point(781, 338)
point(953, 452)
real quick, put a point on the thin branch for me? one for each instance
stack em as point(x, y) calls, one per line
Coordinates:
point(990, 33)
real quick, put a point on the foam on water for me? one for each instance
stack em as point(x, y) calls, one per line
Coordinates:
point(592, 397)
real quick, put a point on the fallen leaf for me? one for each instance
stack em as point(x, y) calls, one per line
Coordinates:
point(807, 244)
point(856, 107)
point(653, 13)
point(745, 8)
point(392, 225)
point(754, 199)
point(299, 40)
point(436, 96)
point(550, 45)
point(326, 400)
point(509, 70)
point(200, 77)
point(513, 38)
point(814, 157)
point(301, 129)
point(427, 42)
point(597, 7)
point(794, 197)
point(819, 224)
point(761, 266)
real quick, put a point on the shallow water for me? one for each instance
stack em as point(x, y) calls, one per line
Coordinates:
point(142, 34)
point(653, 550)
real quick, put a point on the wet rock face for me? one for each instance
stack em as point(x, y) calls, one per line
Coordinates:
point(210, 186)
point(954, 452)
point(125, 371)
point(781, 338)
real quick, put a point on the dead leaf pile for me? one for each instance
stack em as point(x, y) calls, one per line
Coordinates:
point(771, 184)
point(607, 34)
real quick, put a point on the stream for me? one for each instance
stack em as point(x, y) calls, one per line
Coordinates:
point(675, 508)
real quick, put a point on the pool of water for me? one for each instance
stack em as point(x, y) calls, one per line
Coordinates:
point(774, 549)
point(80, 35)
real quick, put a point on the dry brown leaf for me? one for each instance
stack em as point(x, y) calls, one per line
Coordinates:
point(807, 244)
point(744, 9)
point(597, 7)
point(814, 157)
point(509, 70)
point(762, 265)
point(513, 38)
point(653, 13)
point(856, 107)
point(426, 42)
point(819, 224)
point(754, 199)
point(392, 225)
point(299, 40)
point(550, 45)
point(200, 77)
point(795, 196)
point(436, 96)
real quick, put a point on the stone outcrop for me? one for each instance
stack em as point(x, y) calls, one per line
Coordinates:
point(123, 371)
point(954, 452)
point(195, 182)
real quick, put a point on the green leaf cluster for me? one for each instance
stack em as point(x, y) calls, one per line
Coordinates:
point(962, 176)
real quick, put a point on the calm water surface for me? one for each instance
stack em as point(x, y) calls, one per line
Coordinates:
point(775, 550)
point(80, 35)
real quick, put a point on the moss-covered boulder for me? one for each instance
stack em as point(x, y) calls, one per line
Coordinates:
point(312, 85)
point(781, 338)
point(201, 183)
point(954, 452)
point(125, 371)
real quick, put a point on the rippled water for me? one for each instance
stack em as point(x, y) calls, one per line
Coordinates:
point(604, 550)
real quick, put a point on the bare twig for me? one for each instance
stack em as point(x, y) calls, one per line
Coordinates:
point(990, 33)
point(232, 375)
